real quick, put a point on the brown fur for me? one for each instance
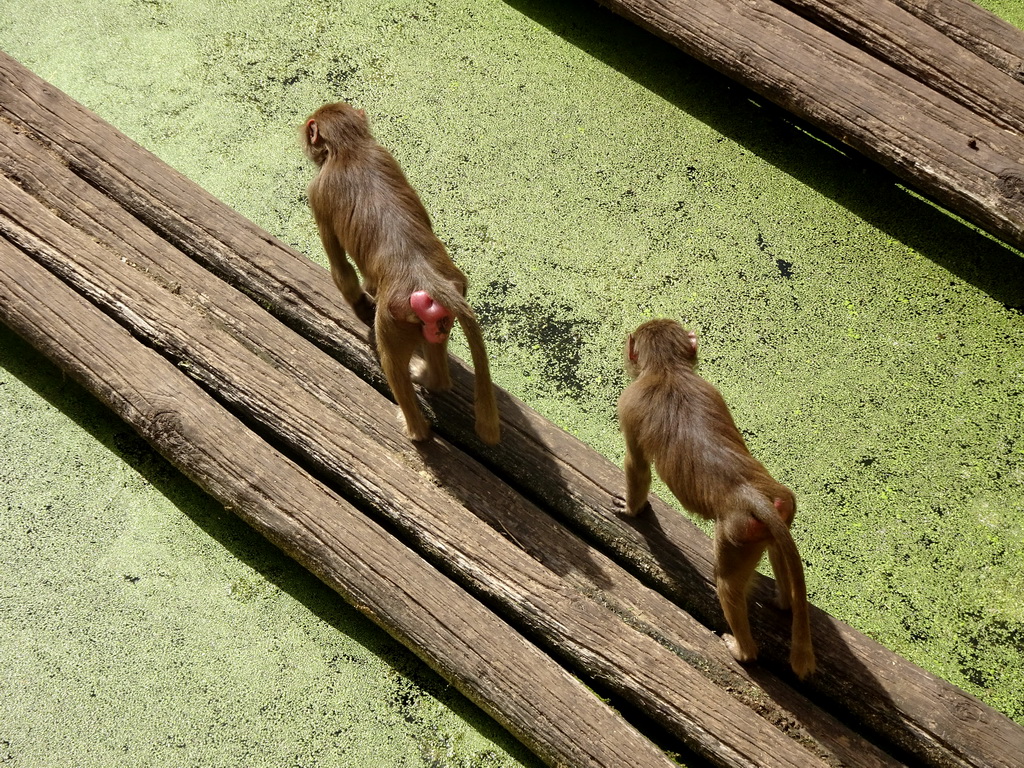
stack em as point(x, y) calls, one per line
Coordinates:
point(672, 417)
point(365, 207)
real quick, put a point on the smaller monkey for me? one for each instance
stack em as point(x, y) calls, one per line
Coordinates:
point(412, 293)
point(672, 417)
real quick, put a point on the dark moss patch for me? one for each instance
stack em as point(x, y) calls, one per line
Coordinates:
point(551, 333)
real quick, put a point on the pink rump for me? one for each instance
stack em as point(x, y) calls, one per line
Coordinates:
point(437, 319)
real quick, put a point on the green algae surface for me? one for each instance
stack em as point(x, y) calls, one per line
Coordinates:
point(586, 177)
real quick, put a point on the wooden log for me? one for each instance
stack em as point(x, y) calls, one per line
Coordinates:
point(976, 29)
point(921, 51)
point(354, 440)
point(882, 694)
point(933, 721)
point(548, 709)
point(175, 208)
point(938, 146)
point(587, 570)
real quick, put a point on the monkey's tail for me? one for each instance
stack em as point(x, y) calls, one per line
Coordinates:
point(448, 295)
point(801, 656)
point(486, 406)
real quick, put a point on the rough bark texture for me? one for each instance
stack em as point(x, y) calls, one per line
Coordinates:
point(909, 44)
point(236, 358)
point(979, 31)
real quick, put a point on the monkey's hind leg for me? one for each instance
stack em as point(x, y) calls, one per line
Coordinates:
point(395, 348)
point(432, 371)
point(734, 565)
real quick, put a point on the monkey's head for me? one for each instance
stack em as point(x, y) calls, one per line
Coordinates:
point(660, 344)
point(331, 128)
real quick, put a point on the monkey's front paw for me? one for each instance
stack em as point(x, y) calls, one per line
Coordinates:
point(419, 435)
point(742, 655)
point(802, 661)
point(430, 378)
point(417, 431)
point(783, 600)
point(488, 433)
point(622, 508)
point(418, 371)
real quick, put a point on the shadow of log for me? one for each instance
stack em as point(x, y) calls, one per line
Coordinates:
point(794, 146)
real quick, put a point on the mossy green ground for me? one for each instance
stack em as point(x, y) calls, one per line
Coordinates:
point(586, 177)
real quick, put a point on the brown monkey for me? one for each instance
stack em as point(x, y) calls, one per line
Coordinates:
point(672, 417)
point(412, 292)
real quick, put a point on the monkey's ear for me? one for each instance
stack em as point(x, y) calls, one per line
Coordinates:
point(632, 350)
point(312, 131)
point(692, 335)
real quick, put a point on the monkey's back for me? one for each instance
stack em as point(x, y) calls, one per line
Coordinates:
point(684, 427)
point(380, 220)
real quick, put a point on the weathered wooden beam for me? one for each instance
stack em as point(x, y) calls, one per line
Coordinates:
point(938, 146)
point(930, 719)
point(346, 432)
point(906, 42)
point(39, 173)
point(545, 707)
point(976, 29)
